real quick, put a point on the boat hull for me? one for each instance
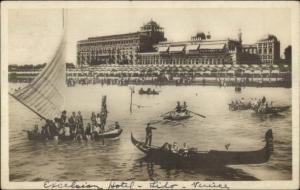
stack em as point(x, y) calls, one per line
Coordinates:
point(113, 134)
point(194, 158)
point(177, 116)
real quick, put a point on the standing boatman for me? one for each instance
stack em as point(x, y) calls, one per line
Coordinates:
point(149, 134)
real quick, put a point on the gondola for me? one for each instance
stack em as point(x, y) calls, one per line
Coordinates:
point(195, 158)
point(272, 110)
point(111, 134)
point(146, 92)
point(175, 116)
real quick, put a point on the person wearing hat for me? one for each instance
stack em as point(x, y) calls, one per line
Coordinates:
point(149, 134)
point(117, 126)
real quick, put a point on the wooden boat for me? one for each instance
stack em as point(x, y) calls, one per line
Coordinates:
point(175, 116)
point(111, 134)
point(195, 158)
point(272, 110)
point(150, 92)
point(238, 89)
point(235, 107)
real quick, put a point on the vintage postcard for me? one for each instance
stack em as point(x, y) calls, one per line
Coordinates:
point(150, 95)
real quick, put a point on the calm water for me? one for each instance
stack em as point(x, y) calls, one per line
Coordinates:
point(120, 160)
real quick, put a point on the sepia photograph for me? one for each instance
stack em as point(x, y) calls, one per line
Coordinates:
point(150, 95)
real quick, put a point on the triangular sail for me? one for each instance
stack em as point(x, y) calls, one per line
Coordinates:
point(44, 95)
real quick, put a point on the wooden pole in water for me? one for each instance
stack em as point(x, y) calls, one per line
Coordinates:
point(131, 92)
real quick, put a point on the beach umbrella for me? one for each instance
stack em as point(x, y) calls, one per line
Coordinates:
point(275, 71)
point(230, 72)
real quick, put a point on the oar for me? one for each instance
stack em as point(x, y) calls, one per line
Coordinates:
point(165, 113)
point(198, 114)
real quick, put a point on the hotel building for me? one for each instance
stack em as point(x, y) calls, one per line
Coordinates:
point(149, 46)
point(119, 49)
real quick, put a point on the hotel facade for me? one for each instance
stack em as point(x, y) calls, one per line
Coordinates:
point(149, 46)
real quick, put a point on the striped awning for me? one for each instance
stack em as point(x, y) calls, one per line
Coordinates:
point(163, 49)
point(212, 46)
point(265, 71)
point(176, 48)
point(192, 47)
point(275, 71)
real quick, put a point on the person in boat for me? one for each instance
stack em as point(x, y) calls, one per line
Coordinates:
point(93, 119)
point(67, 132)
point(263, 100)
point(141, 90)
point(45, 132)
point(79, 133)
point(149, 134)
point(148, 90)
point(72, 123)
point(63, 117)
point(103, 117)
point(184, 107)
point(178, 107)
point(117, 126)
point(79, 121)
point(36, 130)
point(98, 120)
point(53, 132)
point(185, 150)
point(174, 148)
point(88, 131)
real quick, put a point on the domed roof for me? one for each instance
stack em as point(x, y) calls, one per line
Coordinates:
point(151, 25)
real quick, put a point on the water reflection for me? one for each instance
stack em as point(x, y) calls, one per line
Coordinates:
point(211, 172)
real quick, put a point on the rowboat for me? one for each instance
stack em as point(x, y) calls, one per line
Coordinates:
point(110, 134)
point(235, 107)
point(272, 110)
point(175, 116)
point(195, 158)
point(151, 92)
point(238, 89)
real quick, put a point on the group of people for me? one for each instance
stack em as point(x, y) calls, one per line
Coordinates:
point(260, 104)
point(168, 147)
point(72, 127)
point(181, 108)
point(148, 91)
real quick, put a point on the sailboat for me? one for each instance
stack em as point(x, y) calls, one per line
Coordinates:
point(44, 96)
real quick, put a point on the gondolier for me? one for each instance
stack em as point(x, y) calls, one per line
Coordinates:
point(149, 134)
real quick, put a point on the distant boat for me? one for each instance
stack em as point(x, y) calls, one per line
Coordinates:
point(148, 92)
point(195, 158)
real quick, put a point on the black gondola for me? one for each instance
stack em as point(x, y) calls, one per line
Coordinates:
point(196, 158)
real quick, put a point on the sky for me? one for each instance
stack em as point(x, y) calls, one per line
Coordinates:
point(34, 34)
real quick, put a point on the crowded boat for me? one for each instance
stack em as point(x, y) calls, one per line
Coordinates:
point(72, 127)
point(149, 91)
point(259, 105)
